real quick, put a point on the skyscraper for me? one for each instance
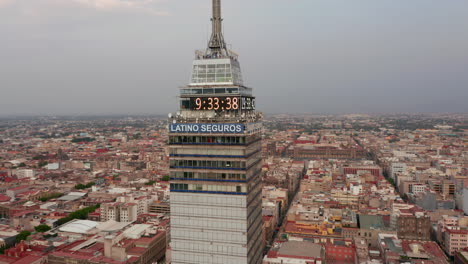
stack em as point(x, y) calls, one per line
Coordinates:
point(215, 162)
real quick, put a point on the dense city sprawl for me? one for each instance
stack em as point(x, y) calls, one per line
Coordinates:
point(335, 189)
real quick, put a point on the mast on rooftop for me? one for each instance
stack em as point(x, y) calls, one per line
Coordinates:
point(216, 45)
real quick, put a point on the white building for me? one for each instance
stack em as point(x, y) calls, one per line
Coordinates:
point(418, 188)
point(119, 212)
point(25, 173)
point(397, 167)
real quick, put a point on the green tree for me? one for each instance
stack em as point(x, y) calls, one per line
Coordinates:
point(42, 164)
point(80, 186)
point(50, 196)
point(80, 214)
point(84, 186)
point(82, 140)
point(166, 178)
point(38, 157)
point(42, 228)
point(137, 136)
point(23, 235)
point(22, 164)
point(150, 183)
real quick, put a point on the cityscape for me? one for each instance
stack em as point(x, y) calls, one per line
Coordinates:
point(219, 181)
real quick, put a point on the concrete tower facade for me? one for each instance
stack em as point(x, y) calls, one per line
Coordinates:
point(215, 162)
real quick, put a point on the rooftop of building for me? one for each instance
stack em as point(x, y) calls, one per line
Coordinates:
point(79, 226)
point(300, 249)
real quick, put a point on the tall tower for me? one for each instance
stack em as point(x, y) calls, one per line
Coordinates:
point(215, 162)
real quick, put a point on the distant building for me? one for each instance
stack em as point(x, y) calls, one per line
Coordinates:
point(158, 207)
point(139, 244)
point(25, 173)
point(397, 168)
point(455, 240)
point(373, 225)
point(411, 223)
point(461, 257)
point(340, 254)
point(296, 252)
point(120, 212)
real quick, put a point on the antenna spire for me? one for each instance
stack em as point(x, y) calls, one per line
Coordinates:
point(217, 46)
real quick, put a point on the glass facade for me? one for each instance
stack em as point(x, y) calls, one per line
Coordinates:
point(209, 188)
point(208, 164)
point(209, 139)
point(208, 176)
point(222, 71)
point(215, 73)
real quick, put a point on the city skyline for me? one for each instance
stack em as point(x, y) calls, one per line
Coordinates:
point(108, 154)
point(111, 57)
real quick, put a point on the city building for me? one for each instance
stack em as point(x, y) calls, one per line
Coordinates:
point(215, 162)
point(118, 211)
point(411, 223)
point(296, 252)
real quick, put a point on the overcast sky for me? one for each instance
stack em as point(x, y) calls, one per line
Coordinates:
point(321, 56)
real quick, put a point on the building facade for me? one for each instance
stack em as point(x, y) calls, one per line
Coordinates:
point(215, 162)
point(119, 212)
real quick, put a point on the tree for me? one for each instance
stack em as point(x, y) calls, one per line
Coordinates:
point(150, 183)
point(165, 178)
point(42, 164)
point(84, 186)
point(82, 140)
point(80, 186)
point(23, 235)
point(49, 196)
point(22, 164)
point(38, 157)
point(137, 136)
point(42, 228)
point(80, 214)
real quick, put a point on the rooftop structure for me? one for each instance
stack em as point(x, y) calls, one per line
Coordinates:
point(79, 226)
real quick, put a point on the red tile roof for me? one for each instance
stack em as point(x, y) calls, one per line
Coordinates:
point(4, 198)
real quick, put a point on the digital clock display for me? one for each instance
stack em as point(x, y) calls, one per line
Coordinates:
point(222, 103)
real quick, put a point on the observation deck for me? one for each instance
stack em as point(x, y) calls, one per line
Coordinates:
point(216, 69)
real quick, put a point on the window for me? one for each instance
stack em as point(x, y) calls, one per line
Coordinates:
point(219, 140)
point(210, 175)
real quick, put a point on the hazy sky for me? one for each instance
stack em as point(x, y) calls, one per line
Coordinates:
point(322, 56)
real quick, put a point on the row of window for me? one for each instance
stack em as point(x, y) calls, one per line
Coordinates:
point(214, 164)
point(198, 151)
point(210, 91)
point(207, 187)
point(207, 139)
point(211, 66)
point(210, 248)
point(218, 79)
point(208, 175)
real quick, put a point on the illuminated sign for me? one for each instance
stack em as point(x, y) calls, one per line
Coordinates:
point(207, 128)
point(224, 103)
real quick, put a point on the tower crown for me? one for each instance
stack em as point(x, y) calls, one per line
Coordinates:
point(217, 65)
